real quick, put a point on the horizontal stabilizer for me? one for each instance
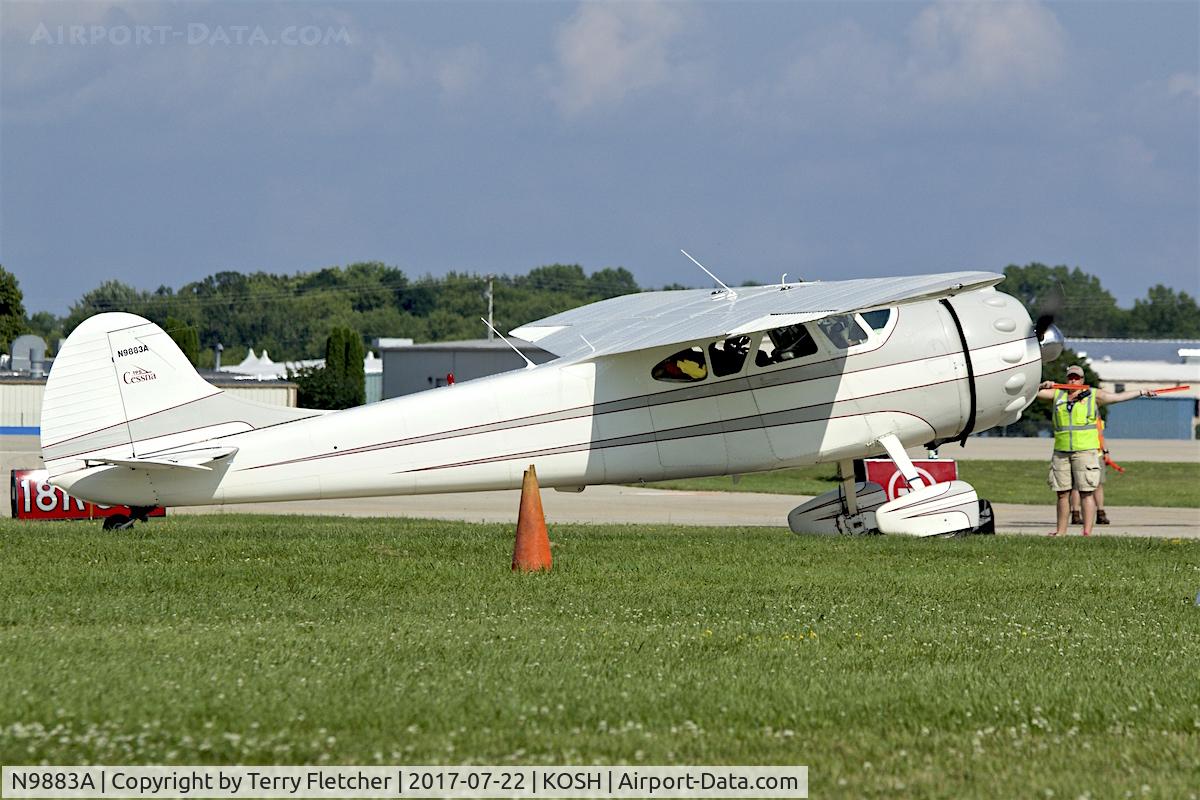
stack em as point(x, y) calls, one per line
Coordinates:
point(190, 460)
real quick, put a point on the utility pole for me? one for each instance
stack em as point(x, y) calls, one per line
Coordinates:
point(491, 335)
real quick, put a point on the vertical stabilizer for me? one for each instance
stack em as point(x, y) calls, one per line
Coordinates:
point(114, 370)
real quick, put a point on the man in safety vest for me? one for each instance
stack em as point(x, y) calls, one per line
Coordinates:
point(1076, 459)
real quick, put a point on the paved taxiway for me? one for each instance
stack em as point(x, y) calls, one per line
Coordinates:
point(634, 505)
point(24, 452)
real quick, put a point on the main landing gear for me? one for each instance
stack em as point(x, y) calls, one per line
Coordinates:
point(862, 508)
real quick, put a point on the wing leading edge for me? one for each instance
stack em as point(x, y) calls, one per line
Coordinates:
point(652, 319)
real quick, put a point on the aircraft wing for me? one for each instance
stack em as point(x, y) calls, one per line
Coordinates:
point(653, 319)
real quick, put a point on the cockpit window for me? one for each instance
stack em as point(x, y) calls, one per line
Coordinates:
point(686, 366)
point(784, 344)
point(728, 355)
point(843, 331)
point(877, 319)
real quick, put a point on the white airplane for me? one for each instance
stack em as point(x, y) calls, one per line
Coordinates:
point(645, 387)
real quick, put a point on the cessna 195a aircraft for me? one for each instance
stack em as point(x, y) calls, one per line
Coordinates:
point(644, 387)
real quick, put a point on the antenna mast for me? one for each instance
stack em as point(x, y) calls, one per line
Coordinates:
point(732, 294)
point(528, 364)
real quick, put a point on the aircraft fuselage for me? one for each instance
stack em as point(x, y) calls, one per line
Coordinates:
point(610, 420)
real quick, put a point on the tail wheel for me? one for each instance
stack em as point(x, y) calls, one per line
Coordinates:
point(118, 522)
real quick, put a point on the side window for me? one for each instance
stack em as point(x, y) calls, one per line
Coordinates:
point(784, 344)
point(843, 331)
point(728, 355)
point(686, 366)
point(877, 319)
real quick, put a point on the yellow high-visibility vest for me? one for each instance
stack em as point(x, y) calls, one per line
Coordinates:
point(1075, 427)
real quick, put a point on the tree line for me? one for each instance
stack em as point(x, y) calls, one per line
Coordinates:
point(1083, 308)
point(332, 312)
point(291, 316)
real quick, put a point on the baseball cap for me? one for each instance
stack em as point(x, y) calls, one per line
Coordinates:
point(1075, 369)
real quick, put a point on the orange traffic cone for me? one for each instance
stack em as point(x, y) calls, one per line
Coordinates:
point(531, 552)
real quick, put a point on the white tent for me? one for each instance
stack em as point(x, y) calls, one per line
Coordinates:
point(263, 368)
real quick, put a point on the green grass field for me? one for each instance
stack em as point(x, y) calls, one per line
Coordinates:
point(979, 667)
point(1144, 483)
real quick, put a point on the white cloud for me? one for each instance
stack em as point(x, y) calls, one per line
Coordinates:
point(22, 21)
point(1184, 84)
point(952, 56)
point(33, 67)
point(1131, 167)
point(962, 49)
point(609, 50)
point(460, 70)
point(47, 79)
point(842, 66)
point(454, 71)
point(390, 68)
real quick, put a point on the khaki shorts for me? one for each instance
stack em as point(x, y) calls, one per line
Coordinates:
point(1075, 470)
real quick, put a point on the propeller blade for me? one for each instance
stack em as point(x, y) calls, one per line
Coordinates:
point(1042, 325)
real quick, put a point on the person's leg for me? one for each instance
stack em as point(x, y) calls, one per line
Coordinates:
point(1076, 508)
point(1064, 513)
point(1085, 476)
point(1101, 517)
point(1060, 481)
point(1089, 511)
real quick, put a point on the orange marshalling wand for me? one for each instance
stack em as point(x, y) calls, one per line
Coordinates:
point(1072, 387)
point(531, 551)
point(1104, 448)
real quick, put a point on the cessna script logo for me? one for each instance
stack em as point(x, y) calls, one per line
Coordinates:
point(138, 375)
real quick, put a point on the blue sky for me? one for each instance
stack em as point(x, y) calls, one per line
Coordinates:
point(823, 140)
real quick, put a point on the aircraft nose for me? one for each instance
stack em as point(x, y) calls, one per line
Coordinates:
point(1005, 353)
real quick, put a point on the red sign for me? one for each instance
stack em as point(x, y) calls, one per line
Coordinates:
point(884, 472)
point(34, 498)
